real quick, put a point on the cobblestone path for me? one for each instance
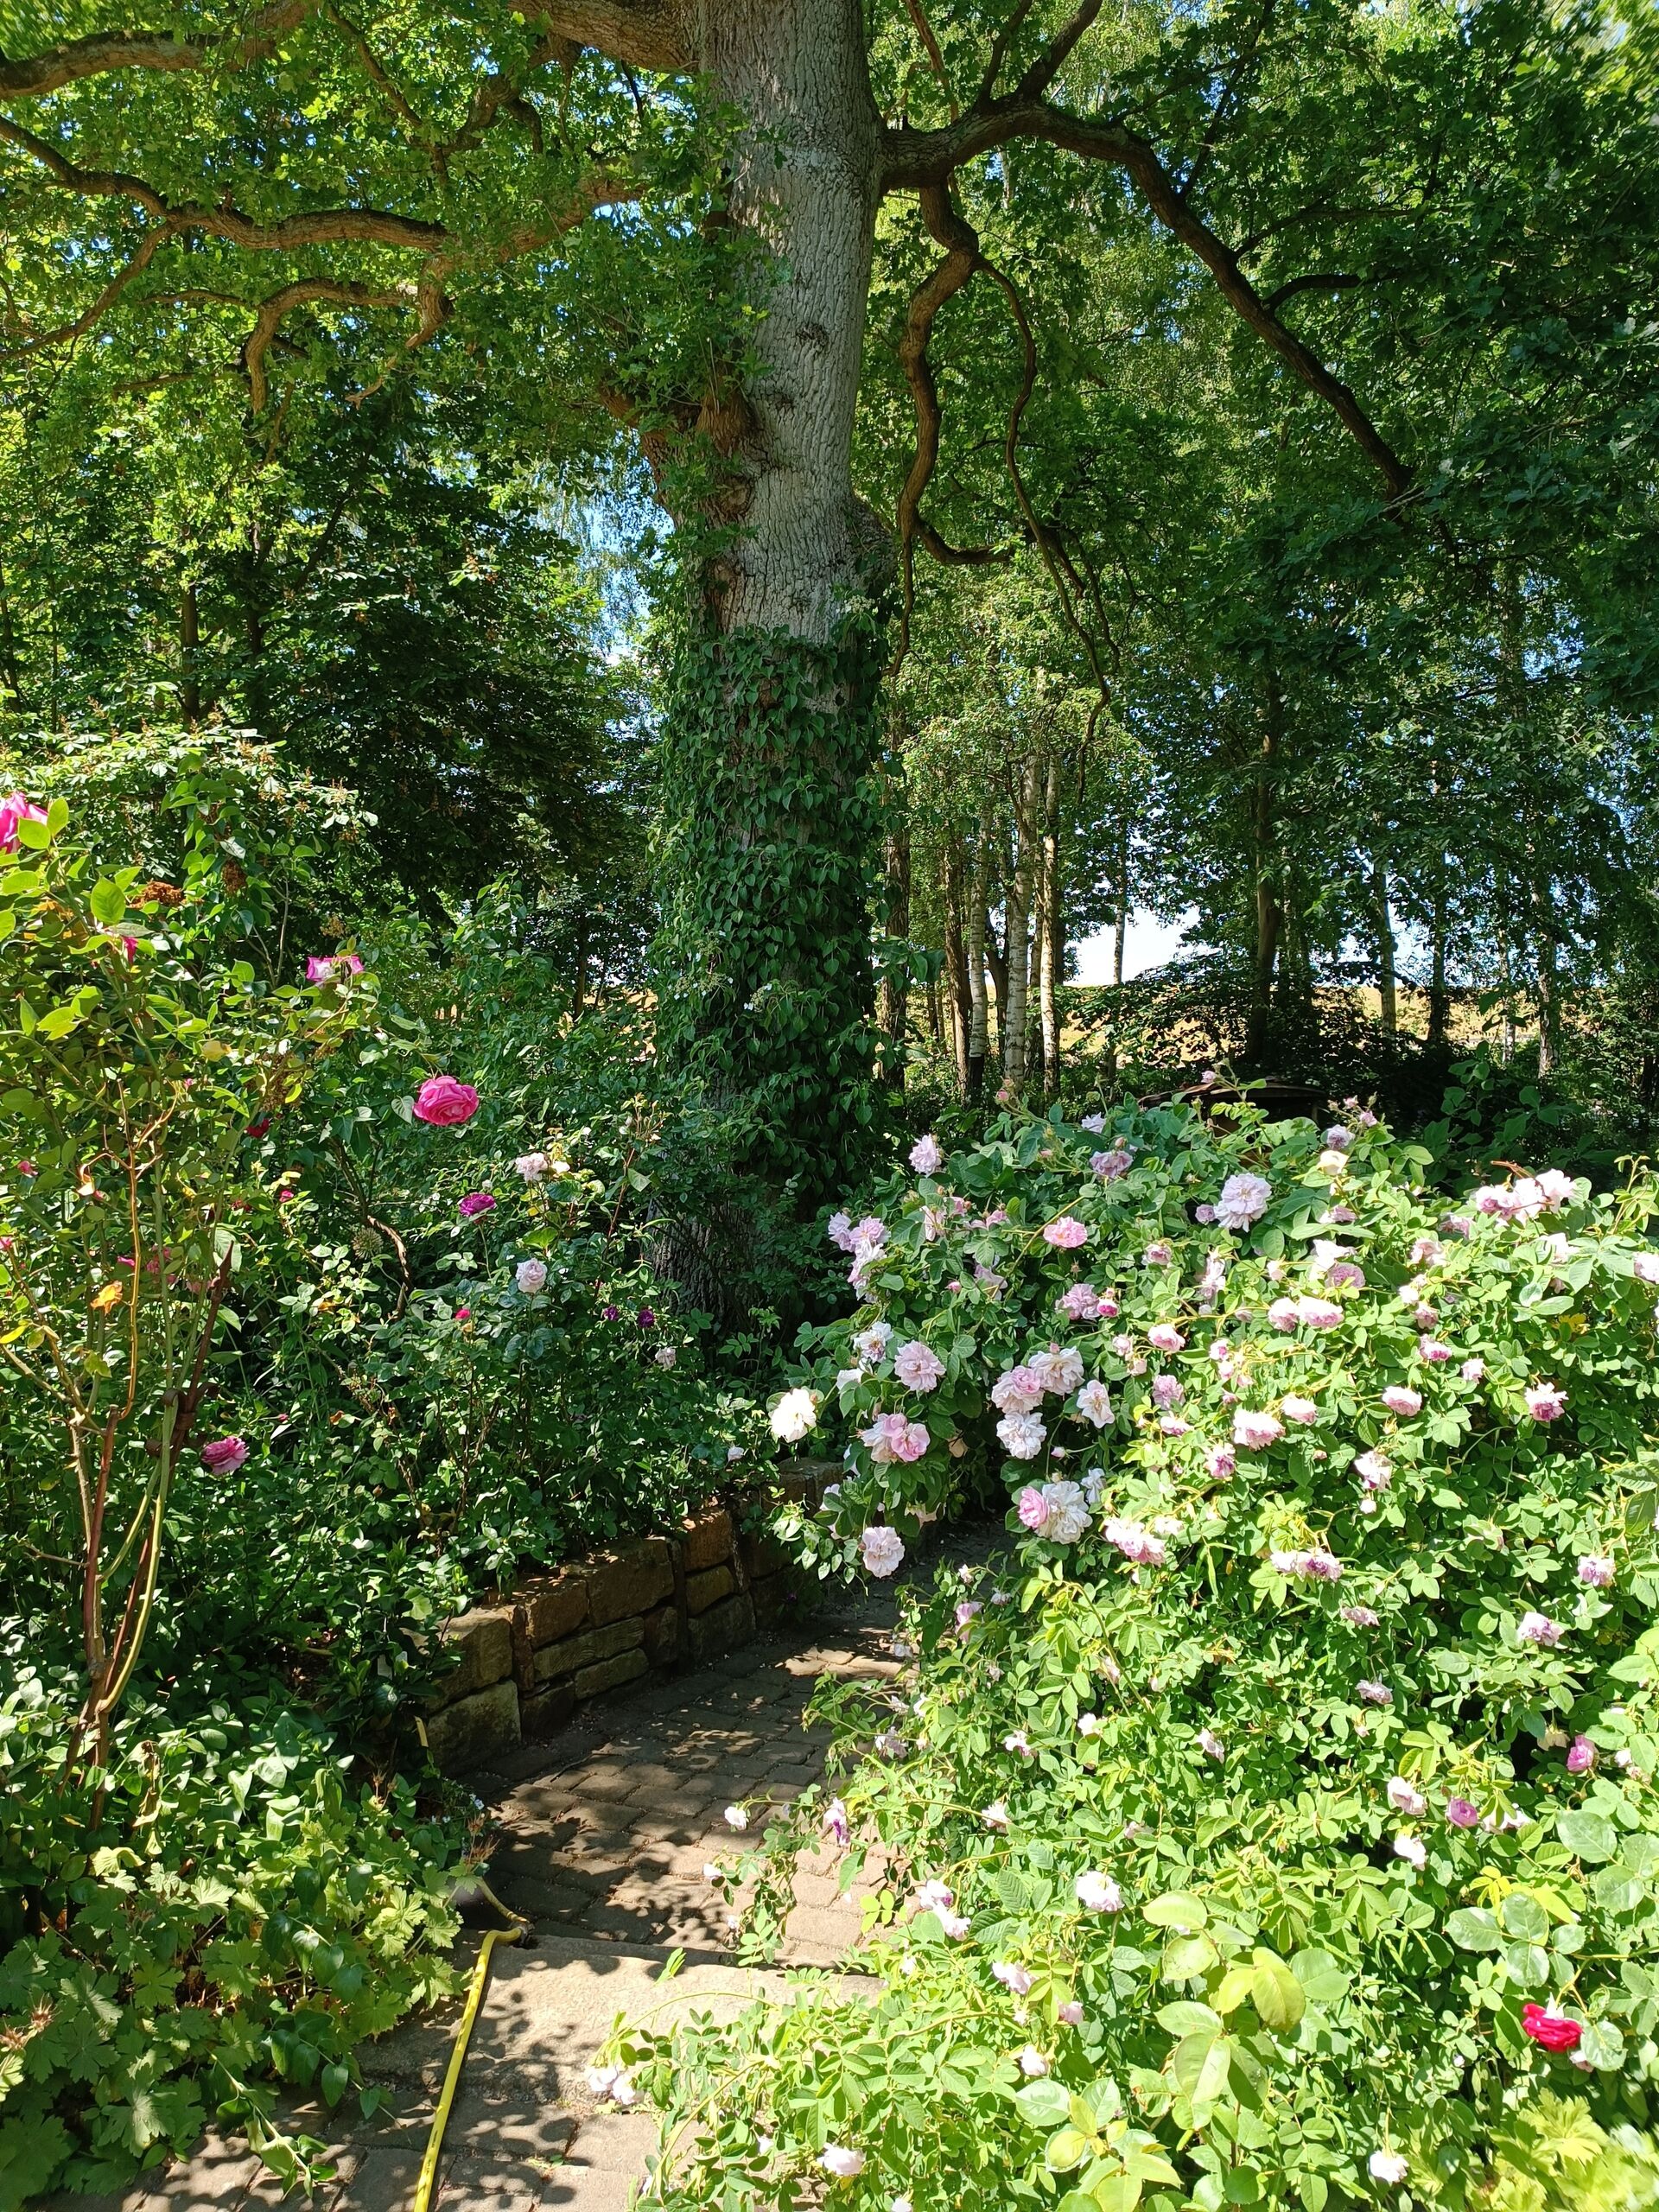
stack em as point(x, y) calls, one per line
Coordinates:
point(606, 1833)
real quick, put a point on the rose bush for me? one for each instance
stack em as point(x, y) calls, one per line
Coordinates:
point(1278, 1823)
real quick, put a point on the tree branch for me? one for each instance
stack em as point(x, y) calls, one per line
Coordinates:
point(342, 292)
point(924, 29)
point(942, 282)
point(915, 158)
point(644, 34)
point(148, 249)
point(41, 73)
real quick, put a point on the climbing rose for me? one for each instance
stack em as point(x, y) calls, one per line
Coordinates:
point(1108, 1166)
point(1409, 1849)
point(1065, 1234)
point(1017, 1390)
point(1538, 1628)
point(835, 1822)
point(1399, 1399)
point(1166, 1337)
point(1597, 1574)
point(1095, 1403)
point(1359, 1615)
point(1033, 1509)
point(475, 1203)
point(1244, 1198)
point(871, 1344)
point(1550, 2029)
point(1220, 1462)
point(1012, 1976)
point(1098, 1892)
point(1065, 1513)
point(444, 1103)
point(1021, 1434)
point(1387, 2165)
point(845, 2166)
point(895, 1437)
point(1473, 1370)
point(1283, 1314)
point(1137, 1544)
point(531, 1165)
point(1093, 1122)
point(1435, 1353)
point(1317, 1314)
point(611, 2084)
point(1405, 1798)
point(1299, 1409)
point(324, 966)
point(1645, 1267)
point(15, 809)
point(1581, 1756)
point(1374, 1470)
point(225, 1455)
point(996, 1816)
point(969, 1612)
point(925, 1156)
point(1374, 1693)
point(795, 1415)
point(839, 1230)
point(1168, 1390)
point(1338, 1138)
point(1460, 1814)
point(1070, 2014)
point(883, 1551)
point(1255, 1431)
point(1158, 1254)
point(736, 1818)
point(917, 1366)
point(1556, 1188)
point(1079, 1302)
point(530, 1275)
point(1211, 1744)
point(1546, 1402)
point(1059, 1371)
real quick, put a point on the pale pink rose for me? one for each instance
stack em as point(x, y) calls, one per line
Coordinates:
point(893, 1436)
point(1539, 1629)
point(925, 1156)
point(1473, 1370)
point(1017, 1391)
point(1108, 1166)
point(1302, 1410)
point(882, 1550)
point(1033, 1509)
point(917, 1366)
point(1021, 1435)
point(1597, 1573)
point(1220, 1462)
point(1065, 1234)
point(1283, 1315)
point(1645, 1267)
point(444, 1103)
point(1256, 1431)
point(1166, 1337)
point(1013, 1976)
point(1546, 1402)
point(1405, 1798)
point(1060, 1370)
point(1244, 1198)
point(1079, 1302)
point(1434, 1352)
point(1317, 1314)
point(1399, 1399)
point(1094, 1402)
point(1581, 1756)
point(327, 967)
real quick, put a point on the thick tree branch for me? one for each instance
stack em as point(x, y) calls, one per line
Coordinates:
point(148, 249)
point(915, 158)
point(942, 283)
point(924, 30)
point(643, 34)
point(41, 73)
point(343, 292)
point(1320, 281)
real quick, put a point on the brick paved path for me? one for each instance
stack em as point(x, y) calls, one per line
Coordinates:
point(606, 1831)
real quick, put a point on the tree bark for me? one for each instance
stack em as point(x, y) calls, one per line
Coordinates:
point(979, 1025)
point(1386, 979)
point(1120, 928)
point(189, 646)
point(1053, 962)
point(955, 964)
point(1028, 788)
point(894, 992)
point(1268, 911)
point(1440, 998)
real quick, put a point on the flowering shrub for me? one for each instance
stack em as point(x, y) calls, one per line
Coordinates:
point(1278, 1824)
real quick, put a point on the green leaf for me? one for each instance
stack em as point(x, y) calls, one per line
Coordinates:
point(1603, 2046)
point(1279, 1997)
point(1187, 1957)
point(1044, 2104)
point(1474, 1928)
point(1118, 2192)
point(108, 901)
point(1177, 1908)
point(1066, 2148)
point(1321, 1976)
point(1587, 1835)
point(1186, 2018)
point(1524, 1917)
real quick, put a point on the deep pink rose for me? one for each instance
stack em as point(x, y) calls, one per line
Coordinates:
point(16, 809)
point(444, 1103)
point(224, 1455)
point(1549, 2029)
point(324, 966)
point(475, 1203)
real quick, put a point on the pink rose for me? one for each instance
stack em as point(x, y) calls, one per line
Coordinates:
point(1546, 1402)
point(444, 1103)
point(1401, 1399)
point(325, 967)
point(475, 1203)
point(15, 809)
point(225, 1455)
point(1065, 1234)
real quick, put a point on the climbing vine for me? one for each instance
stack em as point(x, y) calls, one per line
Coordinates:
point(770, 829)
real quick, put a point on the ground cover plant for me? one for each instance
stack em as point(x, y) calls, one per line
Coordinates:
point(1277, 1823)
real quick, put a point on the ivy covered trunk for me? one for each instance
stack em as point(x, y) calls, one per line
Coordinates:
point(771, 814)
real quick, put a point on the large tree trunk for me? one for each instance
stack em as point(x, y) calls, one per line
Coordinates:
point(772, 732)
point(979, 1028)
point(955, 964)
point(1028, 786)
point(1268, 911)
point(1053, 961)
point(895, 993)
point(1388, 990)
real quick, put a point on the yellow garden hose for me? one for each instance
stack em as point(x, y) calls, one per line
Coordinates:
point(517, 1933)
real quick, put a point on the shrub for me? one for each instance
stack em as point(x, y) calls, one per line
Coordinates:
point(1278, 1825)
point(226, 1911)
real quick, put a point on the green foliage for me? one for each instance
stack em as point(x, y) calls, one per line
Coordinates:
point(229, 1911)
point(771, 816)
point(1222, 1837)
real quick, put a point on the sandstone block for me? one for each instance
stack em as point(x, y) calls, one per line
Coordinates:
point(798, 1478)
point(708, 1540)
point(545, 1712)
point(593, 1646)
point(708, 1588)
point(475, 1728)
point(548, 1606)
point(762, 1553)
point(611, 1674)
point(662, 1635)
point(722, 1628)
point(484, 1640)
point(632, 1581)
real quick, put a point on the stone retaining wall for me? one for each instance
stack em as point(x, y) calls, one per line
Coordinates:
point(529, 1665)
